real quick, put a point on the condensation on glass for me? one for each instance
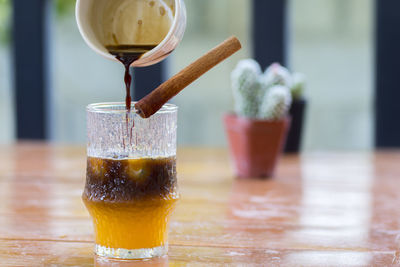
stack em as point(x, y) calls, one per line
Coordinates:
point(109, 132)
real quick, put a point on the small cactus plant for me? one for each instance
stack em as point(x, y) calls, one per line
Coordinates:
point(278, 75)
point(260, 95)
point(246, 87)
point(276, 103)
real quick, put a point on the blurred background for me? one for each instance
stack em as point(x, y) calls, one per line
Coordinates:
point(333, 42)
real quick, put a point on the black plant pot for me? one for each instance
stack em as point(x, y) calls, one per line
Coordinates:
point(297, 112)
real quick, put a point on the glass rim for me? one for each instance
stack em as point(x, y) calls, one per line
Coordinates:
point(107, 108)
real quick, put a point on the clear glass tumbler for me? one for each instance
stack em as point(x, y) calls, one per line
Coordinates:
point(131, 181)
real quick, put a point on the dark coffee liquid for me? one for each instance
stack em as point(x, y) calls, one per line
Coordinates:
point(130, 179)
point(127, 54)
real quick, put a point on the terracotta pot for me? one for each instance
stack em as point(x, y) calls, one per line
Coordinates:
point(255, 145)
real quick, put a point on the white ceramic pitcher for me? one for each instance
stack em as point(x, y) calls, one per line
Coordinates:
point(91, 15)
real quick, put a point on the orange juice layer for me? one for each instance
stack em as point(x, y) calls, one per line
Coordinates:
point(131, 225)
point(130, 200)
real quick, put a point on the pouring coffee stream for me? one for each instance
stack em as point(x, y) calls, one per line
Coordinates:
point(127, 55)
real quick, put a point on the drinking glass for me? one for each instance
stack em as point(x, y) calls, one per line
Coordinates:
point(131, 181)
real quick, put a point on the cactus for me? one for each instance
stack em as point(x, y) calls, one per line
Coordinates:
point(277, 75)
point(276, 103)
point(299, 82)
point(246, 87)
point(261, 95)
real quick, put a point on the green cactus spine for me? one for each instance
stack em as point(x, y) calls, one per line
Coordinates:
point(276, 103)
point(246, 87)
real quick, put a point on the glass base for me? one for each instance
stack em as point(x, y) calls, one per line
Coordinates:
point(131, 254)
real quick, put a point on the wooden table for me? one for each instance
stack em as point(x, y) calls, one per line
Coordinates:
point(320, 210)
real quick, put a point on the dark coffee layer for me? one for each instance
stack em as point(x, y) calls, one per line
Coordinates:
point(130, 179)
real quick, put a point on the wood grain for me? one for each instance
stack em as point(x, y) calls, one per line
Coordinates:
point(326, 209)
point(153, 102)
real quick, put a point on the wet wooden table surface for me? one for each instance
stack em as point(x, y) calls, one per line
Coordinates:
point(320, 210)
